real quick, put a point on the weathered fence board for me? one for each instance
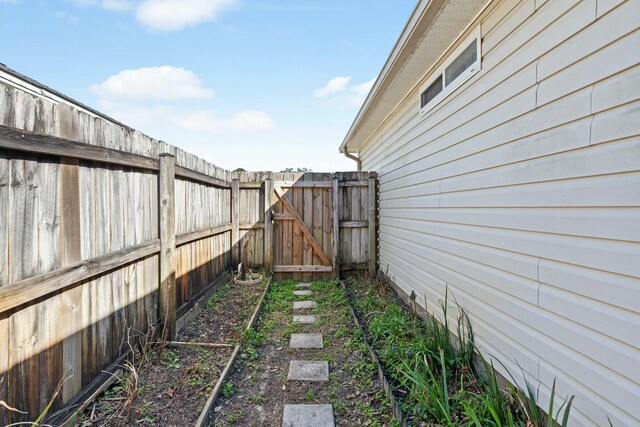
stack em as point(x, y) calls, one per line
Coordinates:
point(82, 218)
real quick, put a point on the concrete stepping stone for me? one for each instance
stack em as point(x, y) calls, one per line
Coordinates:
point(303, 285)
point(307, 370)
point(308, 416)
point(303, 292)
point(301, 305)
point(305, 318)
point(306, 341)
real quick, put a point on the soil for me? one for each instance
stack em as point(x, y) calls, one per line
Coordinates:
point(185, 375)
point(259, 386)
point(225, 316)
point(171, 385)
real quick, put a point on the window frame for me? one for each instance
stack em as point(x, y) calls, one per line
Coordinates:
point(460, 80)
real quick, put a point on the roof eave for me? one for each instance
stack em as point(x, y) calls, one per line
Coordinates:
point(395, 60)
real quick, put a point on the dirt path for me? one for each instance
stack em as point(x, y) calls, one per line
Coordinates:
point(258, 389)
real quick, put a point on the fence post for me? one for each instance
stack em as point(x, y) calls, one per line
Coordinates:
point(336, 228)
point(167, 290)
point(235, 222)
point(373, 235)
point(268, 225)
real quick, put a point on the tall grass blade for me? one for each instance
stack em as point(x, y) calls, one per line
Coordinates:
point(550, 411)
point(567, 410)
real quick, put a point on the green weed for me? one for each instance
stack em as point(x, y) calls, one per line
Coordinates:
point(172, 359)
point(309, 396)
point(228, 389)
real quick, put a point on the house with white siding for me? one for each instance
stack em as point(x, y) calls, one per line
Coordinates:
point(506, 137)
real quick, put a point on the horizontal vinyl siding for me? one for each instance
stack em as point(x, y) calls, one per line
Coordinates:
point(520, 193)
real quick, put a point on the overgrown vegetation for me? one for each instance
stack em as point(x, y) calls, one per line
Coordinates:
point(260, 375)
point(433, 374)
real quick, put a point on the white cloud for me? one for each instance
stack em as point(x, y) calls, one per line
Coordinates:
point(163, 15)
point(335, 85)
point(173, 15)
point(338, 93)
point(157, 96)
point(152, 83)
point(210, 122)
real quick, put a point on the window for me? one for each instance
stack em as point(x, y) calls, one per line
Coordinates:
point(432, 91)
point(463, 63)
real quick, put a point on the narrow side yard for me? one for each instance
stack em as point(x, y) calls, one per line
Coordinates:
point(168, 385)
point(258, 388)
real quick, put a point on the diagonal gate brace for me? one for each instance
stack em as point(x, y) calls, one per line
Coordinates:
point(305, 230)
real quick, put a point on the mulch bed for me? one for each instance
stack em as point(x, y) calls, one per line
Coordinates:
point(169, 386)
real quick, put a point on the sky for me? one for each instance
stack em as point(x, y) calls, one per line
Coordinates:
point(253, 84)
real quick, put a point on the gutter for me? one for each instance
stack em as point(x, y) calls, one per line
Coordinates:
point(354, 158)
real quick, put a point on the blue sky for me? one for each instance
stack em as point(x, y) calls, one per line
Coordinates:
point(258, 84)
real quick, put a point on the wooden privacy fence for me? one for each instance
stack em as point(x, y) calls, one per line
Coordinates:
point(313, 226)
point(97, 243)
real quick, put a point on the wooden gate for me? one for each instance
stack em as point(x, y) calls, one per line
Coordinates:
point(309, 212)
point(288, 223)
point(303, 227)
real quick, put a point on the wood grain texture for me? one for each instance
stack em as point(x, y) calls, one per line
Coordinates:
point(15, 139)
point(235, 220)
point(302, 268)
point(5, 211)
point(305, 230)
point(70, 253)
point(307, 216)
point(167, 286)
point(34, 287)
point(335, 236)
point(268, 225)
point(201, 234)
point(298, 240)
point(200, 177)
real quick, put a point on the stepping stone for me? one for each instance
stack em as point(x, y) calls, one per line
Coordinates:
point(303, 285)
point(307, 370)
point(308, 416)
point(301, 305)
point(304, 318)
point(305, 292)
point(306, 341)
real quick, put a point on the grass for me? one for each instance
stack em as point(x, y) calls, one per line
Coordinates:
point(433, 374)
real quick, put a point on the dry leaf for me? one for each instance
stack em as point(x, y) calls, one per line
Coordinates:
point(3, 403)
